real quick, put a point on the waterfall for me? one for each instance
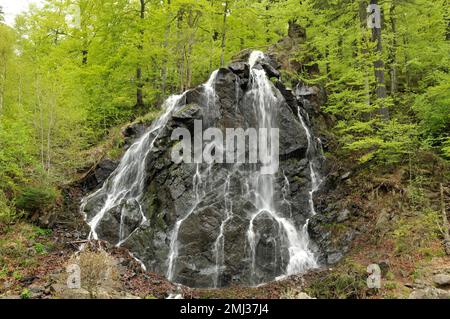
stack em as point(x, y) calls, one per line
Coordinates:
point(219, 245)
point(199, 182)
point(297, 242)
point(313, 161)
point(126, 184)
point(174, 245)
point(218, 187)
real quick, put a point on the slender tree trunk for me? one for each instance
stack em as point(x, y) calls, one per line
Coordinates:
point(405, 60)
point(190, 22)
point(3, 85)
point(194, 17)
point(49, 130)
point(379, 68)
point(447, 19)
point(84, 32)
point(268, 40)
point(41, 121)
point(19, 95)
point(224, 34)
point(365, 52)
point(445, 223)
point(182, 49)
point(213, 38)
point(165, 58)
point(140, 83)
point(393, 51)
point(84, 57)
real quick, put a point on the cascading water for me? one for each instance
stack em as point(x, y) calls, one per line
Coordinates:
point(297, 242)
point(219, 244)
point(241, 198)
point(126, 184)
point(313, 161)
point(199, 183)
point(174, 245)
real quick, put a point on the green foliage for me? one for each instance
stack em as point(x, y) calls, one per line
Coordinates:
point(414, 50)
point(385, 142)
point(34, 199)
point(433, 110)
point(65, 86)
point(40, 248)
point(347, 282)
point(17, 275)
point(413, 235)
point(7, 211)
point(25, 294)
point(446, 148)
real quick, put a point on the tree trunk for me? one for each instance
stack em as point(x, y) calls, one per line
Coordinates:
point(84, 32)
point(224, 34)
point(49, 130)
point(379, 68)
point(165, 58)
point(445, 223)
point(447, 19)
point(3, 84)
point(393, 51)
point(41, 121)
point(140, 83)
point(213, 38)
point(19, 95)
point(181, 49)
point(85, 57)
point(365, 52)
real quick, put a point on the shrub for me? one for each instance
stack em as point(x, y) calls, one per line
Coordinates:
point(98, 270)
point(7, 211)
point(35, 199)
point(416, 233)
point(347, 282)
point(26, 294)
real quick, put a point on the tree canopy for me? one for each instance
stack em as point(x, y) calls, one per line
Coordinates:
point(71, 71)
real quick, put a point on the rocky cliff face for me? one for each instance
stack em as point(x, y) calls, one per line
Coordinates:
point(210, 225)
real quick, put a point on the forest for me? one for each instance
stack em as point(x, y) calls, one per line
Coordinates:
point(74, 73)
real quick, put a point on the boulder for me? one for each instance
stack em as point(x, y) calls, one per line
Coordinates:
point(430, 293)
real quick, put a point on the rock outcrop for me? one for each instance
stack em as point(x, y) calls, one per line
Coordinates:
point(220, 219)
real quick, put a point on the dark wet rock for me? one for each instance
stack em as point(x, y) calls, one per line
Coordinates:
point(134, 130)
point(288, 95)
point(241, 69)
point(334, 257)
point(104, 169)
point(169, 193)
point(271, 71)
